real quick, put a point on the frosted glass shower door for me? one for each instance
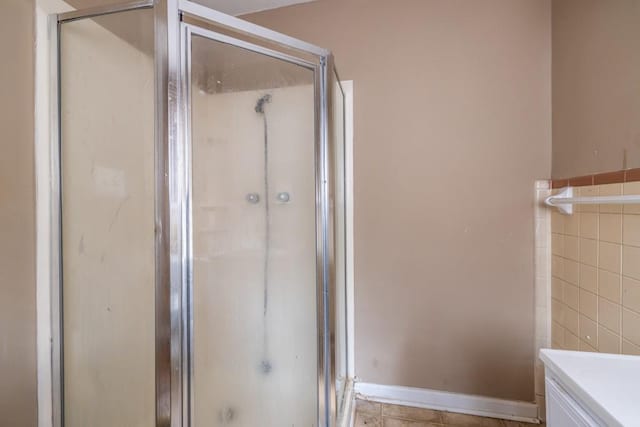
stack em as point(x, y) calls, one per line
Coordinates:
point(253, 286)
point(107, 236)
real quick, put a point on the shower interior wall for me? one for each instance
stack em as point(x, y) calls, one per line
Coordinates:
point(233, 333)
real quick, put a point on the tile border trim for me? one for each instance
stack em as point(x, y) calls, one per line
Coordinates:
point(448, 401)
point(615, 177)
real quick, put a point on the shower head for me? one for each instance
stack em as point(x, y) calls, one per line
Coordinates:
point(260, 104)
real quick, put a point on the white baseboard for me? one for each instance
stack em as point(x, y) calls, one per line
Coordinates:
point(451, 402)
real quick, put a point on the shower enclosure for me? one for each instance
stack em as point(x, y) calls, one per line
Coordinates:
point(198, 271)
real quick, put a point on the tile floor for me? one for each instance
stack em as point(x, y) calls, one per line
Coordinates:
point(373, 414)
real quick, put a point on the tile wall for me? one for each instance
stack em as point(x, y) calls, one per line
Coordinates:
point(595, 269)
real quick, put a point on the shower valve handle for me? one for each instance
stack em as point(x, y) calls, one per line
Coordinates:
point(283, 197)
point(253, 198)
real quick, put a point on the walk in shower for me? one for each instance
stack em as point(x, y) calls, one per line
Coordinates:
point(198, 231)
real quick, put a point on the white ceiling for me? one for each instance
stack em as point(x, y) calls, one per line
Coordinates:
point(240, 7)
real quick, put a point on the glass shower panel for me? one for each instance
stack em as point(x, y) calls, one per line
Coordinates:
point(107, 199)
point(338, 136)
point(254, 334)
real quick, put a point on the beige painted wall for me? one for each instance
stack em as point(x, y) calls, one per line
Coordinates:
point(17, 236)
point(596, 86)
point(452, 126)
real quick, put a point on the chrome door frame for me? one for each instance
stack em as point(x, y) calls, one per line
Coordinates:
point(173, 230)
